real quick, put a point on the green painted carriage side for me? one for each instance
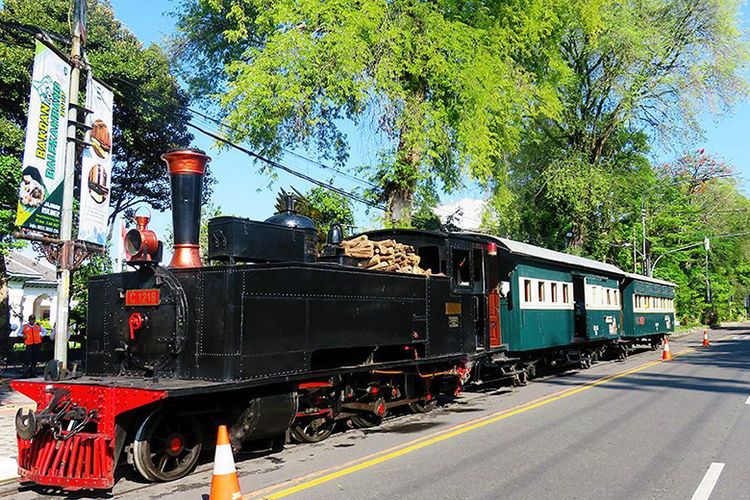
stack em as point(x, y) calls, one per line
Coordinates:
point(530, 329)
point(527, 329)
point(653, 323)
point(603, 324)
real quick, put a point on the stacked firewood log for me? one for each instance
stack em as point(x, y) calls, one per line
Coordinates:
point(386, 255)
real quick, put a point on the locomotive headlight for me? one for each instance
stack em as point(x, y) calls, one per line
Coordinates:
point(133, 242)
point(140, 243)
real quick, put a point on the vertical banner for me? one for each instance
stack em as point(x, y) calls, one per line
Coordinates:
point(41, 189)
point(96, 165)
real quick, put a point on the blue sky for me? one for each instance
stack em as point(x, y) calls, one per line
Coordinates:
point(240, 190)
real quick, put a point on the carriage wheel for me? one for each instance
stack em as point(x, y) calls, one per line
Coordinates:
point(365, 420)
point(530, 372)
point(312, 430)
point(423, 406)
point(623, 353)
point(167, 446)
point(521, 378)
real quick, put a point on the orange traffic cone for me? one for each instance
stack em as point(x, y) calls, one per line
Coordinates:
point(705, 338)
point(666, 355)
point(225, 485)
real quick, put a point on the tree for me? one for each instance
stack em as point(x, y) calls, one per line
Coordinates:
point(653, 65)
point(438, 81)
point(327, 208)
point(638, 72)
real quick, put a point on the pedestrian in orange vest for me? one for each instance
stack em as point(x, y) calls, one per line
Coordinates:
point(32, 337)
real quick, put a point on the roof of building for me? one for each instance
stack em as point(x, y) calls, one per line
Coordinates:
point(647, 279)
point(21, 266)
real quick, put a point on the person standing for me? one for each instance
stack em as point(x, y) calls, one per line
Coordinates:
point(32, 338)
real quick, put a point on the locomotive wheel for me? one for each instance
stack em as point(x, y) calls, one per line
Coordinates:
point(365, 420)
point(312, 430)
point(167, 446)
point(423, 406)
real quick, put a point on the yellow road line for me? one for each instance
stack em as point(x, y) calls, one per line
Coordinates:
point(451, 432)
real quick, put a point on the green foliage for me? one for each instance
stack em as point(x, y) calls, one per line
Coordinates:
point(79, 293)
point(638, 72)
point(10, 178)
point(149, 115)
point(442, 83)
point(328, 208)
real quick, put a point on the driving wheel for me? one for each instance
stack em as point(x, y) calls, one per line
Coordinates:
point(167, 446)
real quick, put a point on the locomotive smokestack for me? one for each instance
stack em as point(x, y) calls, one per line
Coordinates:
point(187, 168)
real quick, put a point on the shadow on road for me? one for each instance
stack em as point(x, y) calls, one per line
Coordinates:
point(730, 354)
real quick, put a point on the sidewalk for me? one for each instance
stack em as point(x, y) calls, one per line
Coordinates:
point(10, 402)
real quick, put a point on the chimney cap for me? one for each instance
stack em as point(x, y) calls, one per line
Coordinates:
point(194, 150)
point(186, 161)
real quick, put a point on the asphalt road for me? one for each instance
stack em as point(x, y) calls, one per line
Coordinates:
point(634, 429)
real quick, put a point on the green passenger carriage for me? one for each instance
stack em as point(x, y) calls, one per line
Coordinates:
point(648, 309)
point(561, 307)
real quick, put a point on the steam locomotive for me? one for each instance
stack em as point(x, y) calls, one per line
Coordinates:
point(279, 340)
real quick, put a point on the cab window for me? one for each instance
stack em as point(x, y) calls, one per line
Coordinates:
point(461, 268)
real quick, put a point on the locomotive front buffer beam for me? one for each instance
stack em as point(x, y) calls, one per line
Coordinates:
point(72, 440)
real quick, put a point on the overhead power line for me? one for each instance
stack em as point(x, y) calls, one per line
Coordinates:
point(288, 151)
point(280, 166)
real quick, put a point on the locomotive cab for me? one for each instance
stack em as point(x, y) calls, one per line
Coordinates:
point(471, 264)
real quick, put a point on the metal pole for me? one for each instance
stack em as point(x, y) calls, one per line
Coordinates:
point(708, 281)
point(645, 268)
point(66, 221)
point(635, 254)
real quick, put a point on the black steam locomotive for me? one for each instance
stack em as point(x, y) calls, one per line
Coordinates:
point(272, 340)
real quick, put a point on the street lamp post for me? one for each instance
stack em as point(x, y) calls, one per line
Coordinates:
point(66, 219)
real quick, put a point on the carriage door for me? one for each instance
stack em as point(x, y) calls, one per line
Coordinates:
point(579, 298)
point(493, 301)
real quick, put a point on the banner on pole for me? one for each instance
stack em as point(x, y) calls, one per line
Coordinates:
point(41, 189)
point(96, 165)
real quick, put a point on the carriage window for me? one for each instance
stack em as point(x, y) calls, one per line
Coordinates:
point(541, 291)
point(527, 290)
point(429, 258)
point(477, 253)
point(461, 268)
point(553, 291)
point(609, 296)
point(566, 297)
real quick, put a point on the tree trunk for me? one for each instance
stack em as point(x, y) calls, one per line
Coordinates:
point(4, 299)
point(399, 190)
point(400, 206)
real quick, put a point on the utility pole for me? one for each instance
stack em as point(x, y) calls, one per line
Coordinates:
point(66, 215)
point(707, 247)
point(646, 266)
